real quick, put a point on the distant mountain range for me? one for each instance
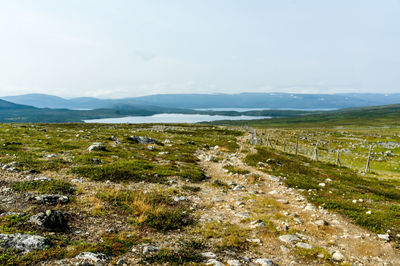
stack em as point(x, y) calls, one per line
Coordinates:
point(198, 101)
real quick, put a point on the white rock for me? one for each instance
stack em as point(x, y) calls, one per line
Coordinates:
point(321, 223)
point(384, 236)
point(214, 262)
point(304, 245)
point(273, 192)
point(337, 256)
point(368, 212)
point(322, 184)
point(234, 263)
point(310, 207)
point(95, 257)
point(289, 239)
point(208, 255)
point(150, 249)
point(265, 262)
point(23, 242)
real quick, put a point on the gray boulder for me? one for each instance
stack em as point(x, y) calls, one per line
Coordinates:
point(93, 257)
point(144, 140)
point(97, 146)
point(23, 242)
point(50, 220)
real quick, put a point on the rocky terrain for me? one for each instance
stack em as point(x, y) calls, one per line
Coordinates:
point(128, 195)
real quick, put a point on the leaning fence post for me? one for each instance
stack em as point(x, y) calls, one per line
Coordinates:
point(367, 166)
point(316, 152)
point(297, 144)
point(338, 159)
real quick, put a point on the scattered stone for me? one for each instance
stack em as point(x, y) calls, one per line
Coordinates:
point(243, 215)
point(94, 257)
point(273, 192)
point(289, 239)
point(254, 240)
point(321, 223)
point(238, 188)
point(384, 236)
point(265, 262)
point(304, 245)
point(322, 184)
point(310, 207)
point(150, 249)
point(121, 262)
point(97, 146)
point(214, 262)
point(234, 263)
point(181, 198)
point(337, 256)
point(143, 140)
point(42, 178)
point(49, 199)
point(257, 224)
point(50, 220)
point(283, 201)
point(284, 249)
point(11, 166)
point(368, 212)
point(23, 242)
point(298, 220)
point(208, 255)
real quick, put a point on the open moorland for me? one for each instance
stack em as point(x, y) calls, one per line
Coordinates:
point(83, 194)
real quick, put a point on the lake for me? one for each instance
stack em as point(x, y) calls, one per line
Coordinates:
point(172, 118)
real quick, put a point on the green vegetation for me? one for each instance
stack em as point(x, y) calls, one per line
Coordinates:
point(387, 115)
point(155, 210)
point(44, 187)
point(236, 170)
point(189, 252)
point(380, 197)
point(226, 235)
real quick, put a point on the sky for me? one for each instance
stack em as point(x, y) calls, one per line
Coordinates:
point(129, 48)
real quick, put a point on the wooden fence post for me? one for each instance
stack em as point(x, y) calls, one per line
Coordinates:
point(367, 166)
point(316, 152)
point(338, 159)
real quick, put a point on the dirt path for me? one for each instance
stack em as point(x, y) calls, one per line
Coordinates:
point(288, 213)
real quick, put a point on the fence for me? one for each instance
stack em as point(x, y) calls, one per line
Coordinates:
point(315, 153)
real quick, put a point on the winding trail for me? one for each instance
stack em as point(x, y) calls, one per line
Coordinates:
point(289, 213)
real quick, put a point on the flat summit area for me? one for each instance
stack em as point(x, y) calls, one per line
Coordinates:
point(197, 195)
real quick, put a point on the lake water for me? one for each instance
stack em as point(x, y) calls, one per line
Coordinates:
point(172, 118)
point(259, 109)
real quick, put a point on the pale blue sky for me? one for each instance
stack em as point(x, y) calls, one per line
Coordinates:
point(120, 48)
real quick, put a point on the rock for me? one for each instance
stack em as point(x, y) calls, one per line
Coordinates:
point(214, 262)
point(42, 178)
point(51, 220)
point(322, 184)
point(150, 249)
point(265, 262)
point(97, 146)
point(284, 249)
point(243, 215)
point(310, 207)
point(283, 201)
point(384, 236)
point(304, 245)
point(94, 257)
point(181, 198)
point(321, 223)
point(298, 220)
point(208, 255)
point(11, 167)
point(257, 224)
point(143, 140)
point(23, 242)
point(337, 256)
point(273, 192)
point(234, 263)
point(120, 262)
point(368, 212)
point(238, 188)
point(49, 199)
point(289, 239)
